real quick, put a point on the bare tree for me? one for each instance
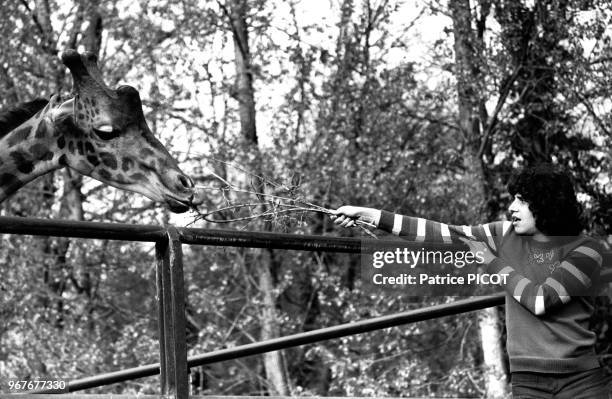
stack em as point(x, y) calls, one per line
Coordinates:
point(474, 122)
point(244, 94)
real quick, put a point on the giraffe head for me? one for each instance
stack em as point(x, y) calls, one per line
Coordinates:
point(105, 136)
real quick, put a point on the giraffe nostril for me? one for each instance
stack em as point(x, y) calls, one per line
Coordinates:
point(186, 182)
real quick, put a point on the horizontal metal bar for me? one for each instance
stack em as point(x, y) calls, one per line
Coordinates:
point(77, 229)
point(215, 237)
point(227, 238)
point(255, 239)
point(252, 239)
point(343, 330)
point(411, 316)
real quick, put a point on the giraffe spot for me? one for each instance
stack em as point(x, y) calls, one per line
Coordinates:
point(84, 166)
point(119, 178)
point(22, 162)
point(64, 127)
point(40, 131)
point(63, 160)
point(147, 166)
point(71, 146)
point(109, 160)
point(127, 164)
point(80, 148)
point(19, 136)
point(8, 179)
point(81, 116)
point(89, 148)
point(94, 160)
point(138, 176)
point(39, 151)
point(146, 152)
point(61, 142)
point(79, 106)
point(105, 174)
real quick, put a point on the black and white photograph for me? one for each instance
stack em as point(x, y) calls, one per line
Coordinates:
point(323, 199)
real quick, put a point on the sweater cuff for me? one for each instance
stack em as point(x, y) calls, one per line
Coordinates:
point(386, 221)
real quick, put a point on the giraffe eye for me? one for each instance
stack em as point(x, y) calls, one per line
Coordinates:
point(106, 132)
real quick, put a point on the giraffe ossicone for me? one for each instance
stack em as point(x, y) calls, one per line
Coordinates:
point(100, 133)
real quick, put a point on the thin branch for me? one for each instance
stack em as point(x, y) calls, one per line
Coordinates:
point(505, 92)
point(34, 18)
point(235, 33)
point(273, 211)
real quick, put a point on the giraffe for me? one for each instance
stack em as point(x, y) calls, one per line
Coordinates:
point(101, 133)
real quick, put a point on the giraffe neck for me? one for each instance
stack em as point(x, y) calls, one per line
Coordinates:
point(28, 152)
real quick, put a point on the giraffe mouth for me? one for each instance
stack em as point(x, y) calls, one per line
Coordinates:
point(177, 205)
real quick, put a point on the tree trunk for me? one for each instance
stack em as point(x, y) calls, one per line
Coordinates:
point(273, 361)
point(245, 95)
point(244, 92)
point(53, 269)
point(470, 119)
point(490, 335)
point(71, 206)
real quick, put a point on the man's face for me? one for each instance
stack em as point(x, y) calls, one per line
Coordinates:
point(522, 219)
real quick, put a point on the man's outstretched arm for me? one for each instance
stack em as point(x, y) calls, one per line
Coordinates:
point(420, 229)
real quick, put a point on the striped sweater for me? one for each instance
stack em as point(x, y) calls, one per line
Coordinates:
point(549, 290)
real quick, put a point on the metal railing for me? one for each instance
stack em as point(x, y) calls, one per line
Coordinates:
point(174, 364)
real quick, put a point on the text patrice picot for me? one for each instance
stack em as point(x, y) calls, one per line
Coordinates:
point(408, 258)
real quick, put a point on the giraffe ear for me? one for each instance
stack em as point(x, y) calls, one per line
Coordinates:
point(66, 108)
point(55, 99)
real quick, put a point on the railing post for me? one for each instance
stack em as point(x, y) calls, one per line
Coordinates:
point(171, 316)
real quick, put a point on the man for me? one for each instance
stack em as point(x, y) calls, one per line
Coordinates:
point(552, 275)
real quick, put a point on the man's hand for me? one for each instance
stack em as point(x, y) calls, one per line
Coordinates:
point(347, 216)
point(481, 247)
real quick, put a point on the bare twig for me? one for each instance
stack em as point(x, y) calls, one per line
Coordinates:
point(275, 202)
point(279, 204)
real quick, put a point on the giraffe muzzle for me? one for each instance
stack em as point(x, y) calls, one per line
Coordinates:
point(182, 195)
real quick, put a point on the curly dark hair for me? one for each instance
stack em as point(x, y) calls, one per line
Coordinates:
point(551, 197)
